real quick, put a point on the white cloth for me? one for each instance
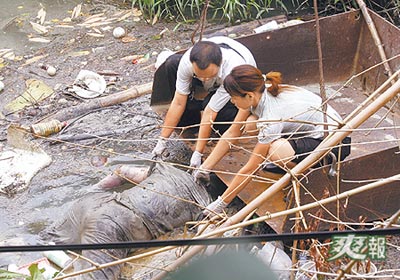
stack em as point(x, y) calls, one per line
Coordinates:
point(294, 104)
point(230, 59)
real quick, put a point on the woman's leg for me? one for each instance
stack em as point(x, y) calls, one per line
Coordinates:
point(282, 153)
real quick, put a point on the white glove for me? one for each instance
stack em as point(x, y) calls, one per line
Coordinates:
point(215, 207)
point(195, 160)
point(201, 176)
point(159, 148)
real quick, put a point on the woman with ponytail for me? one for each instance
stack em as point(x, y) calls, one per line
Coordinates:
point(288, 120)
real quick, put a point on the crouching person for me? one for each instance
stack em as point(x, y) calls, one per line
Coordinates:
point(166, 198)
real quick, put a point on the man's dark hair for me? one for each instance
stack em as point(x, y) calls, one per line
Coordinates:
point(205, 53)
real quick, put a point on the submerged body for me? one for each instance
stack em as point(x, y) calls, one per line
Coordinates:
point(166, 199)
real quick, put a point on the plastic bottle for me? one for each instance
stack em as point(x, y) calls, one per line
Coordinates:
point(279, 262)
point(47, 128)
point(305, 263)
point(60, 258)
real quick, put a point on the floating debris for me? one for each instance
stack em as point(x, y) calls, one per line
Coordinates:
point(79, 53)
point(89, 84)
point(36, 91)
point(76, 12)
point(39, 28)
point(128, 39)
point(119, 32)
point(97, 35)
point(20, 162)
point(34, 59)
point(41, 16)
point(39, 40)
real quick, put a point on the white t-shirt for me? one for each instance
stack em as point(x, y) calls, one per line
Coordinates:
point(230, 59)
point(302, 107)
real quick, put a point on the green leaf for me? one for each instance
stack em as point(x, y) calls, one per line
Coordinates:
point(36, 273)
point(5, 274)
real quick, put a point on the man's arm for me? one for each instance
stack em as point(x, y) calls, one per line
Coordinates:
point(174, 114)
point(207, 118)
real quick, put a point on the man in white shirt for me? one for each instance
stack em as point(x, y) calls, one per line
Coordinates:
point(206, 64)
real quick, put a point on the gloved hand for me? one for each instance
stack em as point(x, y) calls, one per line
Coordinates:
point(215, 207)
point(159, 148)
point(201, 176)
point(195, 160)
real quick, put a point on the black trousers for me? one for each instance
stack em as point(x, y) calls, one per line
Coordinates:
point(164, 87)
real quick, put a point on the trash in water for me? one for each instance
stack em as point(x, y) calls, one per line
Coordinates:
point(89, 84)
point(42, 263)
point(119, 32)
point(36, 91)
point(272, 25)
point(47, 128)
point(20, 161)
point(51, 71)
point(274, 257)
point(60, 258)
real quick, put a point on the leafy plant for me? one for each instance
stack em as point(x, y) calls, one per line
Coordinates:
point(189, 10)
point(5, 274)
point(35, 274)
point(240, 10)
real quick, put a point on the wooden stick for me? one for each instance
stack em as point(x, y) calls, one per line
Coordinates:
point(319, 153)
point(321, 68)
point(375, 36)
point(116, 98)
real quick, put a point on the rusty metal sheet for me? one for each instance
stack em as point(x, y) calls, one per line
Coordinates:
point(293, 50)
point(232, 163)
point(376, 204)
point(368, 54)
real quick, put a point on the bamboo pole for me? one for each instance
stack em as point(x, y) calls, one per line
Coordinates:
point(320, 152)
point(375, 36)
point(116, 98)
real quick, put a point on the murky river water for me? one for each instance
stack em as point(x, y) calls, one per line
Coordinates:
point(52, 191)
point(14, 14)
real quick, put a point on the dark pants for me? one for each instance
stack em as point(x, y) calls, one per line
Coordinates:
point(164, 87)
point(303, 146)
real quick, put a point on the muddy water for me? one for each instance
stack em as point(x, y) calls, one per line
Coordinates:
point(15, 15)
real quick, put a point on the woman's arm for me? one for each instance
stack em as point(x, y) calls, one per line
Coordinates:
point(243, 177)
point(228, 138)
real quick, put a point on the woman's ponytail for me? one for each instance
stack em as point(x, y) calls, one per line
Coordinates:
point(275, 78)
